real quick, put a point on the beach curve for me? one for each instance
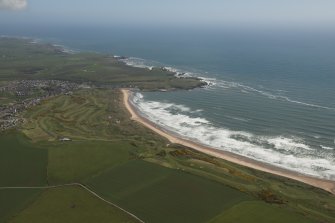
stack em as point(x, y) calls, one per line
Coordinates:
point(326, 185)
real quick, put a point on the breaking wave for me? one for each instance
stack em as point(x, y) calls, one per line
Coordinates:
point(247, 89)
point(150, 64)
point(138, 62)
point(326, 147)
point(214, 83)
point(289, 153)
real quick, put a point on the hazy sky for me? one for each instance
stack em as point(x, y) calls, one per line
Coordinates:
point(312, 13)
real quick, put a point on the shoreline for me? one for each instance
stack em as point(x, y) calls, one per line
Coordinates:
point(326, 185)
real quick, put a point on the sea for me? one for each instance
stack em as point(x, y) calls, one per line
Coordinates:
point(270, 93)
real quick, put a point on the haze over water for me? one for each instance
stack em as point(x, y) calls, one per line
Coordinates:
point(271, 95)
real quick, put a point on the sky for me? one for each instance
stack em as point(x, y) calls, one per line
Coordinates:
point(307, 13)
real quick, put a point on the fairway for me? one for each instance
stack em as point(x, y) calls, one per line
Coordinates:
point(84, 136)
point(84, 115)
point(111, 153)
point(73, 116)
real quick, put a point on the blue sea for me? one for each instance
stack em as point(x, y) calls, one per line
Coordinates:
point(271, 93)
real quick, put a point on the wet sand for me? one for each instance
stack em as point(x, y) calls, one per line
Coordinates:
point(234, 158)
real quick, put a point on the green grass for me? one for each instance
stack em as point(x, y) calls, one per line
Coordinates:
point(75, 117)
point(123, 161)
point(24, 60)
point(90, 116)
point(85, 115)
point(304, 199)
point(259, 212)
point(159, 194)
point(21, 163)
point(76, 161)
point(70, 205)
point(13, 201)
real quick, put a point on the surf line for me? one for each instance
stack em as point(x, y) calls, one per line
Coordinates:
point(326, 185)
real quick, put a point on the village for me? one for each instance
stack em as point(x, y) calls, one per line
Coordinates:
point(25, 94)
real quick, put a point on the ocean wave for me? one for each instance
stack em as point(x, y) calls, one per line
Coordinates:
point(212, 83)
point(65, 49)
point(140, 63)
point(238, 118)
point(288, 144)
point(247, 89)
point(327, 147)
point(289, 153)
point(180, 73)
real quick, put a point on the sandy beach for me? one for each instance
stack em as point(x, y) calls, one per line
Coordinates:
point(244, 161)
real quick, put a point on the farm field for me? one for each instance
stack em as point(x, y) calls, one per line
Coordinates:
point(21, 163)
point(152, 192)
point(85, 137)
point(130, 166)
point(13, 201)
point(70, 204)
point(77, 161)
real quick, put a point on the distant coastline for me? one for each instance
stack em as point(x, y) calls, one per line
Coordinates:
point(326, 185)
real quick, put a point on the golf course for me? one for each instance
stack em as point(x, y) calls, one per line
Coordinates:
point(76, 156)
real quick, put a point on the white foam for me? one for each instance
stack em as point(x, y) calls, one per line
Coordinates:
point(289, 153)
point(248, 89)
point(176, 71)
point(209, 81)
point(64, 49)
point(238, 118)
point(140, 63)
point(213, 82)
point(326, 147)
point(179, 73)
point(182, 73)
point(288, 144)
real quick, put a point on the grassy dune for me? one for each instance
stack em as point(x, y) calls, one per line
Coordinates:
point(123, 161)
point(259, 212)
point(105, 143)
